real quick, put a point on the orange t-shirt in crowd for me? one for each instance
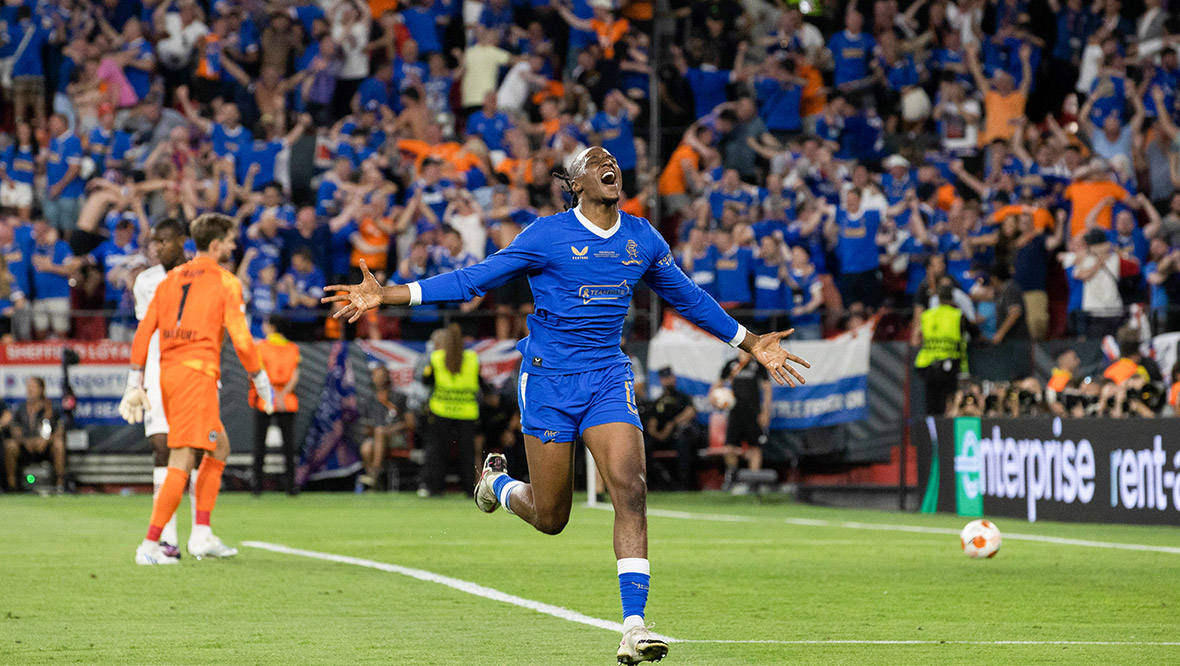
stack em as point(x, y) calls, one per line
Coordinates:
point(450, 152)
point(814, 99)
point(379, 7)
point(639, 10)
point(634, 206)
point(281, 358)
point(508, 167)
point(1083, 196)
point(1042, 219)
point(609, 34)
point(672, 179)
point(192, 307)
point(999, 115)
point(1121, 370)
point(375, 236)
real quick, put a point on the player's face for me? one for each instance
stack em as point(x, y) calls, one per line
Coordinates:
point(602, 180)
point(168, 247)
point(225, 250)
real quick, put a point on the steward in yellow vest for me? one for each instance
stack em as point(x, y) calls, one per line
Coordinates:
point(942, 354)
point(453, 414)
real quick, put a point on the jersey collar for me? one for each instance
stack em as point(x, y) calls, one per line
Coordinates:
point(594, 228)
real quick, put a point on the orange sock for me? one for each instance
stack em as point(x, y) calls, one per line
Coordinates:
point(208, 485)
point(166, 502)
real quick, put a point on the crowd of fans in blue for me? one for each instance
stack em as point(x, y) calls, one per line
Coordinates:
point(814, 168)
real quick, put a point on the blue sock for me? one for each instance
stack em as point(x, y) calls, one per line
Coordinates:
point(634, 582)
point(503, 487)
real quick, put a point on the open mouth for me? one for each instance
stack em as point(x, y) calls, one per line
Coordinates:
point(608, 177)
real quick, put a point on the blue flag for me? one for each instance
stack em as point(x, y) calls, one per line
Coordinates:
point(328, 452)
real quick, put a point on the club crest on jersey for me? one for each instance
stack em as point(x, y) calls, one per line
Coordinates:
point(579, 254)
point(632, 254)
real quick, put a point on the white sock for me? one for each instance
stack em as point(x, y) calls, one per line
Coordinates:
point(201, 532)
point(632, 621)
point(168, 534)
point(192, 495)
point(147, 544)
point(506, 493)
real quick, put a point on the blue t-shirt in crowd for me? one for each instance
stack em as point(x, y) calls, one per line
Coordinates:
point(107, 145)
point(20, 163)
point(708, 88)
point(140, 80)
point(856, 248)
point(618, 137)
point(734, 271)
point(29, 61)
point(422, 22)
point(770, 292)
point(490, 129)
point(780, 104)
point(262, 153)
point(704, 271)
point(311, 283)
point(227, 141)
point(52, 285)
point(802, 296)
point(64, 151)
point(851, 54)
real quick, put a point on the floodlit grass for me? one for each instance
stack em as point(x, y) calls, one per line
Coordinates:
point(70, 592)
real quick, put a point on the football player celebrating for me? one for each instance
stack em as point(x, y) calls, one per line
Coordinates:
point(191, 307)
point(583, 266)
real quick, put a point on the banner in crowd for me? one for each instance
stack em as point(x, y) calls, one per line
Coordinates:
point(498, 359)
point(327, 452)
point(837, 383)
point(1076, 470)
point(98, 379)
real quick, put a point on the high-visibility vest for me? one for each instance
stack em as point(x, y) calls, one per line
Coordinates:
point(942, 336)
point(454, 395)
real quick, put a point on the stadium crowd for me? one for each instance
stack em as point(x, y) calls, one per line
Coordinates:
point(817, 170)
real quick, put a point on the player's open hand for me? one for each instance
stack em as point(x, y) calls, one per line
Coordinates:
point(359, 297)
point(770, 353)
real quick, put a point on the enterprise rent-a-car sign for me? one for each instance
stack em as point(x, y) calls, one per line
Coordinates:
point(1081, 470)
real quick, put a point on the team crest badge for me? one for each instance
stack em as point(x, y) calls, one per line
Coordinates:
point(632, 254)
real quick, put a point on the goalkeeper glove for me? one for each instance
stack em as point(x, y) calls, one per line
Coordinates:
point(266, 392)
point(135, 400)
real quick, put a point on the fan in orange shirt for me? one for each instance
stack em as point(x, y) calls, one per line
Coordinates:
point(191, 308)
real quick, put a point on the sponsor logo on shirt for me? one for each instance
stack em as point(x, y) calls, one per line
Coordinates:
point(603, 292)
point(579, 254)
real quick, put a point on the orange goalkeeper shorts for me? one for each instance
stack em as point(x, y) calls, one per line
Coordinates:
point(192, 407)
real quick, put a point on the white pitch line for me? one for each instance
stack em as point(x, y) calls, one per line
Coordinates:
point(453, 583)
point(885, 527)
point(574, 616)
point(930, 642)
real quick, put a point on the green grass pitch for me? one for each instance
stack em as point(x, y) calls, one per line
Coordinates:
point(70, 593)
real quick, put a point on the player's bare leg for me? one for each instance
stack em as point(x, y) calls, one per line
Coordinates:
point(618, 452)
point(543, 503)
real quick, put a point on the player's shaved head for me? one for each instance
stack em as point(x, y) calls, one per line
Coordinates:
point(209, 227)
point(168, 242)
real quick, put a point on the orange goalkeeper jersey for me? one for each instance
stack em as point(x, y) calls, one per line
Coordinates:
point(191, 309)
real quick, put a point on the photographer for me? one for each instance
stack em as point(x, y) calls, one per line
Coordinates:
point(36, 433)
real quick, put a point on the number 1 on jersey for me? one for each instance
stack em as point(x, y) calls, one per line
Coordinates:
point(183, 298)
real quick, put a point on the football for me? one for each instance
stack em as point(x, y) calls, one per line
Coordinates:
point(722, 398)
point(980, 539)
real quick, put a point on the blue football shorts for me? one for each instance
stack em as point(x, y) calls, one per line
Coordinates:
point(558, 408)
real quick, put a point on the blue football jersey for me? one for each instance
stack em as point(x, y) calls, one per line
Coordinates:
point(582, 278)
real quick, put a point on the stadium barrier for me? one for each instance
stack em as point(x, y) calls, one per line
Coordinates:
point(1124, 471)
